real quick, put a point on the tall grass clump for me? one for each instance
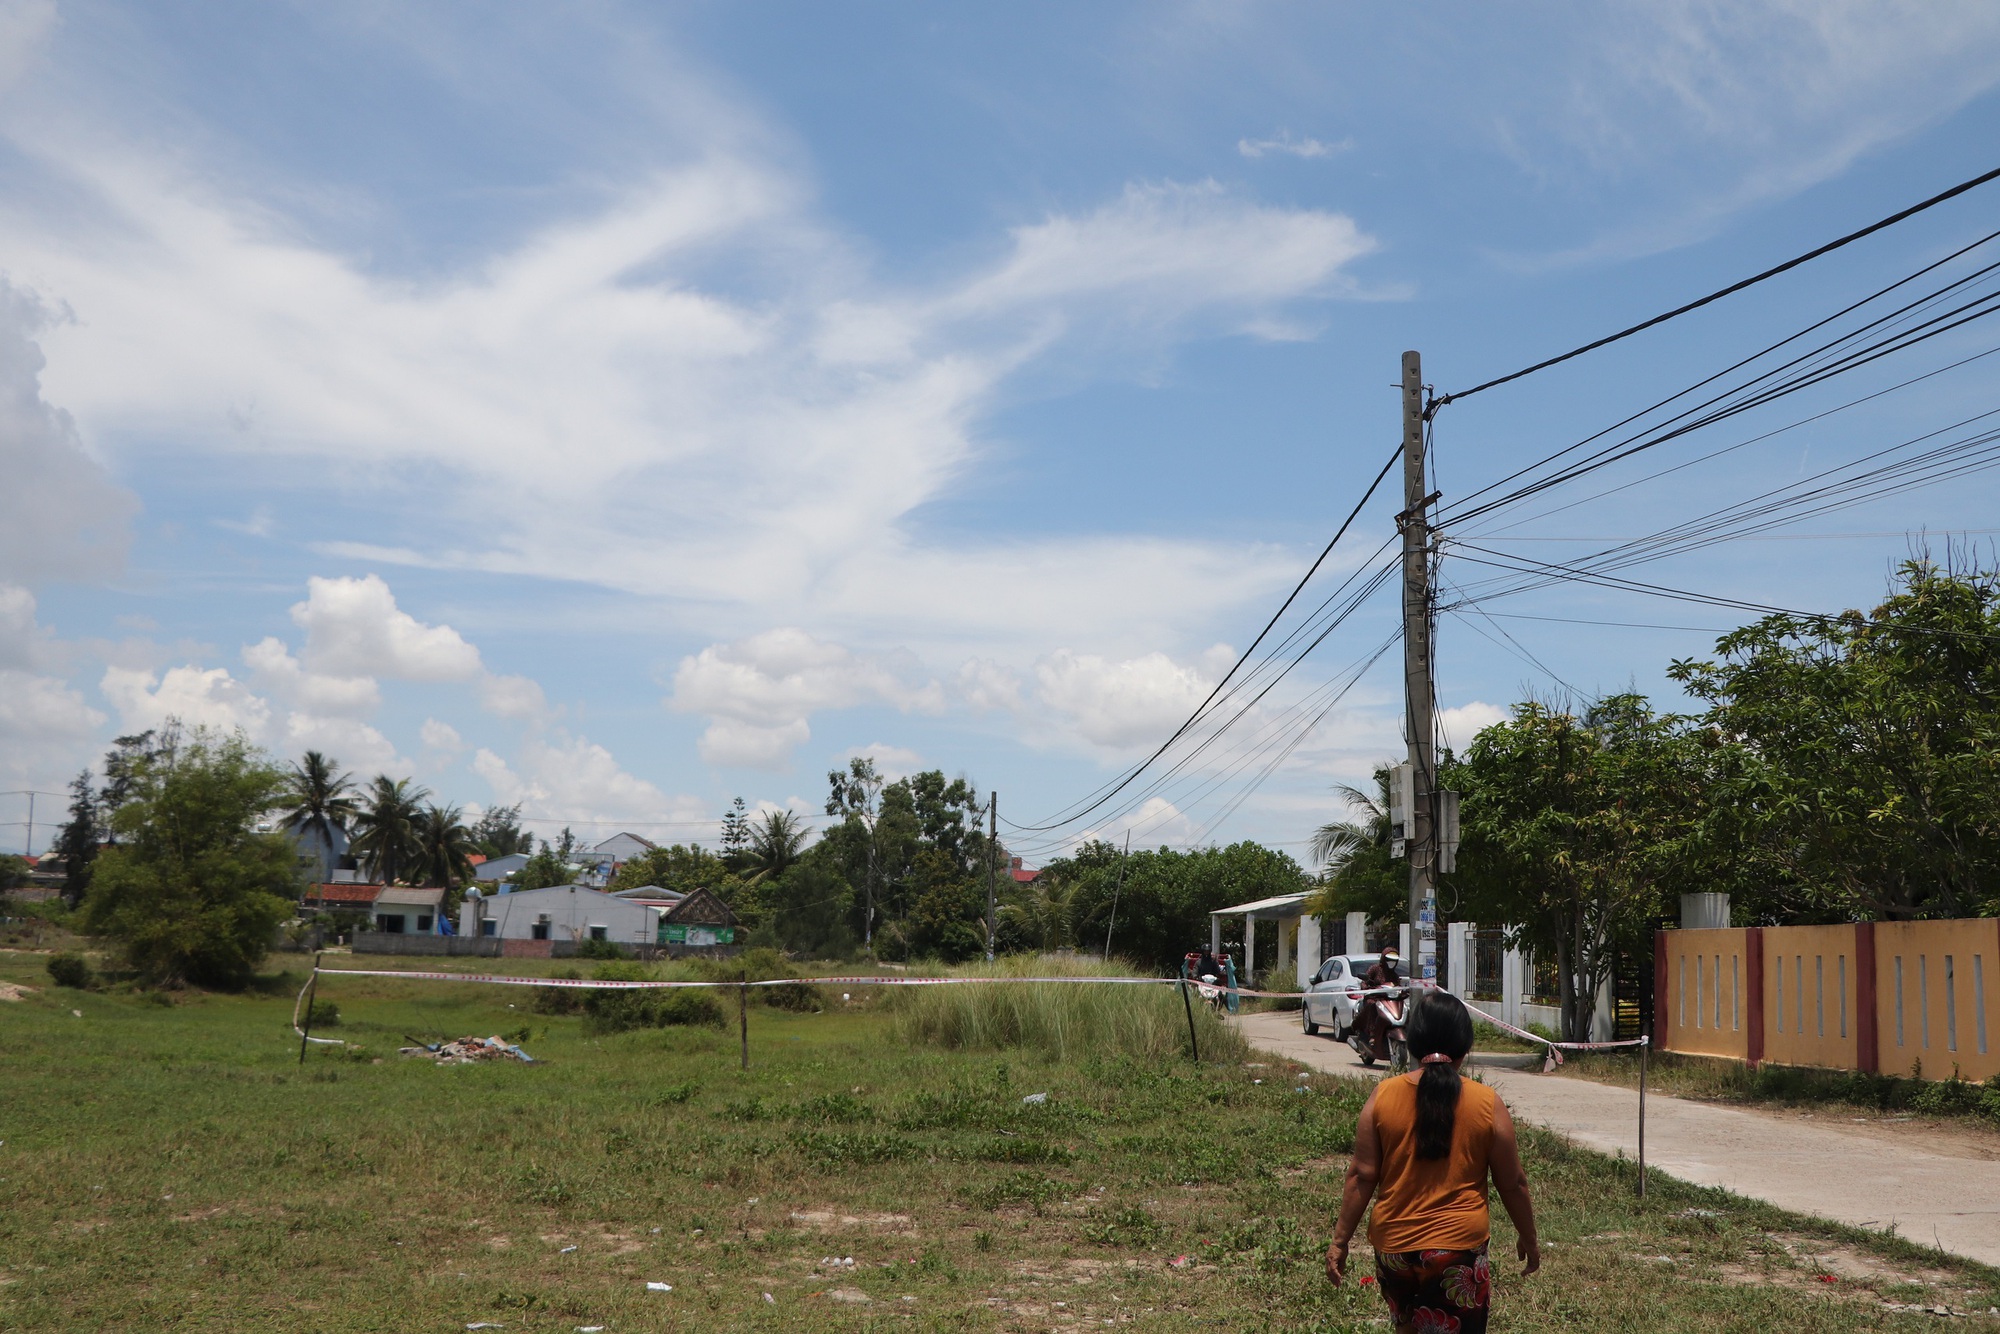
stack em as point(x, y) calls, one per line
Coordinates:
point(1065, 1021)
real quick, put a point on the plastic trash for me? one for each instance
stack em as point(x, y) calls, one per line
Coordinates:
point(566, 1250)
point(1034, 1099)
point(658, 1287)
point(487, 1324)
point(769, 1298)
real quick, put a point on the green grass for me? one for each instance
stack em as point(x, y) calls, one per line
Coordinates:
point(171, 1166)
point(1061, 1021)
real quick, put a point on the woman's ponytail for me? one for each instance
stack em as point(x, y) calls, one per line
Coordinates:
point(1439, 1033)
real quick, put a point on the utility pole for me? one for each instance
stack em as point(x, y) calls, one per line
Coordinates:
point(992, 869)
point(1420, 701)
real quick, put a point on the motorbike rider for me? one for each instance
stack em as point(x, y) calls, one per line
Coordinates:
point(1206, 966)
point(1381, 973)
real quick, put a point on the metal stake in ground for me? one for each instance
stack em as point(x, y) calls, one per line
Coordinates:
point(1188, 1005)
point(1645, 1042)
point(743, 1014)
point(312, 992)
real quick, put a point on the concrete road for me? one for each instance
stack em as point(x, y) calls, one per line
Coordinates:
point(1937, 1192)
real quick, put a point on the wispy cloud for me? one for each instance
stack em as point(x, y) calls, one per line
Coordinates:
point(1286, 144)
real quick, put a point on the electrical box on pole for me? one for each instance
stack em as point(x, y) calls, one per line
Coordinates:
point(1402, 797)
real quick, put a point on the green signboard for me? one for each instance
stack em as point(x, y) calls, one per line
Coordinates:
point(678, 933)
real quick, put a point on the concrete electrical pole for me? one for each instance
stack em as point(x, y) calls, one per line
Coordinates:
point(992, 868)
point(1419, 694)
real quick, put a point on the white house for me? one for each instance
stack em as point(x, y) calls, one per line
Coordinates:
point(560, 912)
point(403, 911)
point(621, 848)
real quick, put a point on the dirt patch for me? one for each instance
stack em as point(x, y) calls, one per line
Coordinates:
point(1843, 1272)
point(823, 1220)
point(14, 991)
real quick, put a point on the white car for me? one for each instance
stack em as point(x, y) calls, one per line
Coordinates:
point(1335, 994)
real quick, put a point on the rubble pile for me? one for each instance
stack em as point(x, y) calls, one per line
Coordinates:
point(464, 1051)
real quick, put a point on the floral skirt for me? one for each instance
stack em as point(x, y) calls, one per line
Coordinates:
point(1436, 1292)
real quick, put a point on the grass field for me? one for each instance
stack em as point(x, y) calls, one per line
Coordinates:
point(170, 1166)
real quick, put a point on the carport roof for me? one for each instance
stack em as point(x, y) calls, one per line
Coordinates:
point(1264, 907)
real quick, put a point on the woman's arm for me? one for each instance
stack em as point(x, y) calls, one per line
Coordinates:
point(1363, 1168)
point(1511, 1180)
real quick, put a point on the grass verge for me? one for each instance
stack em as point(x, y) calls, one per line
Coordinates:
point(171, 1165)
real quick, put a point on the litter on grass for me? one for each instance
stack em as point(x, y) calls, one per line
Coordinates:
point(1035, 1099)
point(658, 1287)
point(464, 1051)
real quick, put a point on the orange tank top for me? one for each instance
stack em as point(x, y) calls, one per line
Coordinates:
point(1439, 1204)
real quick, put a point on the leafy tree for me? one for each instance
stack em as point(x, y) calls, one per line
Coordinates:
point(498, 832)
point(855, 797)
point(775, 843)
point(565, 846)
point(542, 870)
point(79, 838)
point(1361, 875)
point(683, 869)
point(444, 851)
point(318, 802)
point(1575, 828)
point(192, 892)
point(1166, 897)
point(1867, 775)
point(123, 764)
point(385, 830)
point(14, 872)
point(807, 910)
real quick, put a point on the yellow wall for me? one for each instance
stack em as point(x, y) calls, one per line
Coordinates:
point(1816, 1019)
point(1936, 1017)
point(1705, 974)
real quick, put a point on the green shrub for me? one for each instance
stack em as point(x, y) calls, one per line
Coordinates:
point(598, 949)
point(323, 1014)
point(798, 997)
point(70, 970)
point(559, 1000)
point(620, 1011)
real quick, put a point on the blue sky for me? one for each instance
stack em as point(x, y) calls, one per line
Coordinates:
point(617, 409)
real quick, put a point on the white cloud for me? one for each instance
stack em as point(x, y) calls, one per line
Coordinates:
point(440, 737)
point(274, 668)
point(1124, 703)
point(23, 643)
point(354, 628)
point(65, 518)
point(1459, 725)
point(36, 708)
point(1284, 143)
point(353, 744)
point(568, 778)
point(198, 697)
point(511, 697)
point(758, 693)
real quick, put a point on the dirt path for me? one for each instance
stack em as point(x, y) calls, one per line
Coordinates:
point(1935, 1189)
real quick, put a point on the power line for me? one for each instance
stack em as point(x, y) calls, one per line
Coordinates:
point(1098, 799)
point(1730, 290)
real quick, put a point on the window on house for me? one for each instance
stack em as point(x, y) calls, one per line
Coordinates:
point(423, 921)
point(541, 927)
point(599, 933)
point(489, 927)
point(390, 922)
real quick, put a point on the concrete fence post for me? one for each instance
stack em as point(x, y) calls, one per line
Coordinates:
point(1753, 996)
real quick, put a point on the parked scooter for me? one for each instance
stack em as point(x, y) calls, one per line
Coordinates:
point(1385, 1035)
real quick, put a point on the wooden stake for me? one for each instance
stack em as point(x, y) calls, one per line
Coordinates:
point(1644, 1045)
point(743, 1014)
point(1188, 1005)
point(312, 993)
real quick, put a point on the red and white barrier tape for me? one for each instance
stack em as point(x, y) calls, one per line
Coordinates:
point(1554, 1048)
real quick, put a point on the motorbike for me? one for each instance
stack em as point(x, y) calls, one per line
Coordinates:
point(1385, 1042)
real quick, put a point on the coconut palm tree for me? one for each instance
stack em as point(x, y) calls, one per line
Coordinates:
point(385, 829)
point(1044, 911)
point(775, 843)
point(1337, 843)
point(445, 847)
point(318, 803)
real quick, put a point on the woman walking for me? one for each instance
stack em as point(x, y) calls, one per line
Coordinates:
point(1423, 1151)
